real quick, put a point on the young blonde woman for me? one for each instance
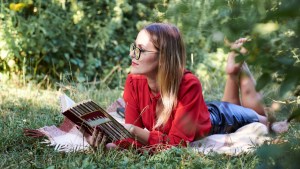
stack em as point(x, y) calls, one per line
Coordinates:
point(166, 99)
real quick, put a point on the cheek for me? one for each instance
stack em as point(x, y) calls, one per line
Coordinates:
point(152, 63)
point(146, 66)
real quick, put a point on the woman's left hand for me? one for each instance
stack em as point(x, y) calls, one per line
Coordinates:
point(138, 132)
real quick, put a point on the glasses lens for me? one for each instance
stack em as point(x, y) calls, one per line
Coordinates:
point(132, 47)
point(137, 53)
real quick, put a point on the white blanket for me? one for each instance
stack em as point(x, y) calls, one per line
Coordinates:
point(244, 140)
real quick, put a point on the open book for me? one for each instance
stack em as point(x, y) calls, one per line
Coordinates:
point(88, 115)
point(66, 137)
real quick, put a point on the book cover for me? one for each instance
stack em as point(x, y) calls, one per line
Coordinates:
point(88, 115)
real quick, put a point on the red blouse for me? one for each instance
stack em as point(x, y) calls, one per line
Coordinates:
point(189, 120)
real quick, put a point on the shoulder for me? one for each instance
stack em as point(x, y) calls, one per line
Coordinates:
point(189, 79)
point(132, 77)
point(136, 89)
point(190, 84)
point(135, 81)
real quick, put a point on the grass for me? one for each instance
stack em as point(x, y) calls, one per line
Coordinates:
point(31, 107)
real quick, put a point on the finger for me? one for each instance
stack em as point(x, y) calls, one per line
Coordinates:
point(103, 141)
point(94, 137)
point(85, 133)
point(80, 128)
point(98, 139)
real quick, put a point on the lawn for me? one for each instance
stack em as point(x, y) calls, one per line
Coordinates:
point(31, 107)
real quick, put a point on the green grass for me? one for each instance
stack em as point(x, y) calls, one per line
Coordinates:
point(31, 107)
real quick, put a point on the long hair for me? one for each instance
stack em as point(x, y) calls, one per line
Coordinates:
point(167, 39)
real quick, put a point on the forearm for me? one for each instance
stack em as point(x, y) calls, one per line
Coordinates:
point(141, 134)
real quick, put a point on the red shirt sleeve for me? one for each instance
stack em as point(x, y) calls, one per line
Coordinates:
point(131, 101)
point(190, 119)
point(132, 113)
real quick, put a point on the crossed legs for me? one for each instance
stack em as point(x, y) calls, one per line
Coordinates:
point(240, 88)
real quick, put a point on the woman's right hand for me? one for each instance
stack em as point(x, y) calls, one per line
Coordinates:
point(97, 140)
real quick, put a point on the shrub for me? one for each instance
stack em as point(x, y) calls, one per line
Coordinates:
point(47, 40)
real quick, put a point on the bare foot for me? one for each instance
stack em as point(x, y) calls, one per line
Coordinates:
point(280, 127)
point(232, 67)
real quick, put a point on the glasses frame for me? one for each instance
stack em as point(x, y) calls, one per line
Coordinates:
point(137, 51)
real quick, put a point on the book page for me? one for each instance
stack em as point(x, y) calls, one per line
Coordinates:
point(65, 102)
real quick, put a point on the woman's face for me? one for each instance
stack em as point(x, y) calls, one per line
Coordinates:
point(148, 62)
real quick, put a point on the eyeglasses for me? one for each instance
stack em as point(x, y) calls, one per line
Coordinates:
point(137, 51)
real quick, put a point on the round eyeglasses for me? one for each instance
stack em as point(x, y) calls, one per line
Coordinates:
point(137, 51)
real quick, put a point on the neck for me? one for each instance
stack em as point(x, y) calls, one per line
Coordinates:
point(152, 83)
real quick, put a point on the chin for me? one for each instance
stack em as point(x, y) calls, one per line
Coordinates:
point(135, 71)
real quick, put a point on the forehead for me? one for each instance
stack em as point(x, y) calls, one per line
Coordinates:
point(143, 39)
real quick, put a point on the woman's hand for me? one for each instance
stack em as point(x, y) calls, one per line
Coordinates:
point(137, 132)
point(97, 140)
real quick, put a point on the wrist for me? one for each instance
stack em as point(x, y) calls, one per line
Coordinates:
point(132, 129)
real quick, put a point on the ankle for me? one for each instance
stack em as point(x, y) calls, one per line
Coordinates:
point(233, 76)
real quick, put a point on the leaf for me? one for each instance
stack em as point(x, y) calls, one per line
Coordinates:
point(294, 115)
point(161, 8)
point(288, 84)
point(285, 60)
point(240, 58)
point(263, 80)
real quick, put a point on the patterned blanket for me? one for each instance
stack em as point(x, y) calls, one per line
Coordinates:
point(68, 138)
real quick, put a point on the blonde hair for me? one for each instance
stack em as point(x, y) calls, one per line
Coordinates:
point(168, 41)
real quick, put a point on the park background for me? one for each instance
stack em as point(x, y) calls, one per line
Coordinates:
point(82, 47)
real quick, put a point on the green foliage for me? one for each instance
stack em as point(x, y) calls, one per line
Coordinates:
point(45, 40)
point(86, 41)
point(78, 41)
point(283, 155)
point(272, 26)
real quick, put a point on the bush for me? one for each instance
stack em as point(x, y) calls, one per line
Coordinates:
point(43, 40)
point(273, 26)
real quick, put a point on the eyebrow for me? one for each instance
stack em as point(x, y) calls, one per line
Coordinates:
point(139, 45)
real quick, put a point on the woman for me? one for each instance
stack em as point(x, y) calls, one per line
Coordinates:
point(167, 100)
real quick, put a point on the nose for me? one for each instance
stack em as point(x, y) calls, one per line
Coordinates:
point(131, 54)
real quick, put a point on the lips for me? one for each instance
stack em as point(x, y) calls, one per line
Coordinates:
point(134, 64)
